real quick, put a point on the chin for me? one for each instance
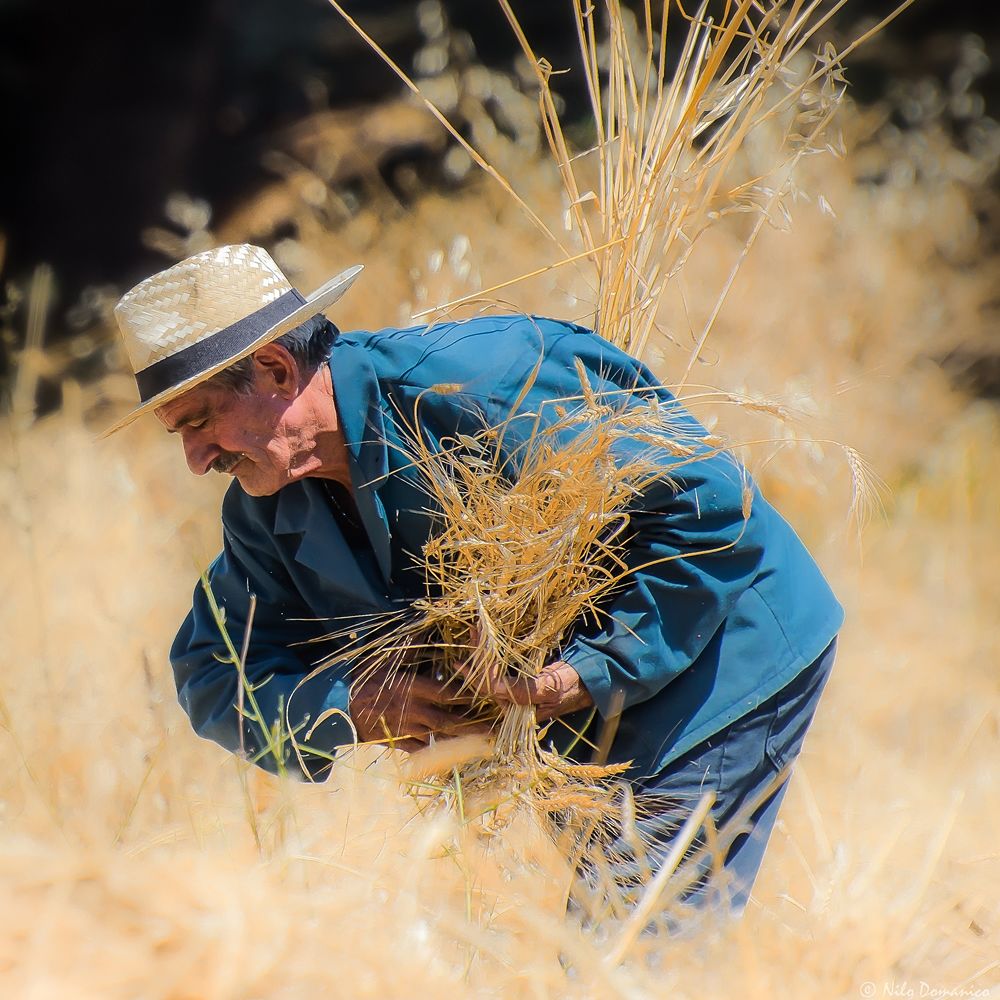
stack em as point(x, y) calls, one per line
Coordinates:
point(263, 479)
point(255, 488)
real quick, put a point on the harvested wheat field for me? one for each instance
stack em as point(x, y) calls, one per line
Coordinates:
point(139, 861)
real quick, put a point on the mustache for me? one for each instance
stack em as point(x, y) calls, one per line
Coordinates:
point(226, 462)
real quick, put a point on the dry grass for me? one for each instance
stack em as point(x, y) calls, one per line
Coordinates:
point(139, 861)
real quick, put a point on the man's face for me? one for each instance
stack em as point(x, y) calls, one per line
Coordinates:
point(252, 437)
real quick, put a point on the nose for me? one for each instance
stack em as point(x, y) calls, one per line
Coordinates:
point(200, 454)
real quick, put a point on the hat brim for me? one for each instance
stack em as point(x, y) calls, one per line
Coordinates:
point(321, 299)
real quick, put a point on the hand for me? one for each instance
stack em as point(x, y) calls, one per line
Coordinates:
point(405, 709)
point(556, 690)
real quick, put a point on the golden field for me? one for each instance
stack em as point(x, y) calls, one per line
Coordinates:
point(138, 861)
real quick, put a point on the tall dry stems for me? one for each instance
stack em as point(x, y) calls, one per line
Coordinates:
point(528, 548)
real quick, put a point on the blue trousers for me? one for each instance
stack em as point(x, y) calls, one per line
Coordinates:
point(746, 766)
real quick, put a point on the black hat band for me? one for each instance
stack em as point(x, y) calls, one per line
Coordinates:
point(191, 361)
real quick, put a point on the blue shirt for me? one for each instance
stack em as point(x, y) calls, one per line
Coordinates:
point(692, 642)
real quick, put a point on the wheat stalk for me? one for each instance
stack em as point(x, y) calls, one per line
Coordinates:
point(532, 542)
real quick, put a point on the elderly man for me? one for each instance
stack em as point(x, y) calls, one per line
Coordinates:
point(715, 652)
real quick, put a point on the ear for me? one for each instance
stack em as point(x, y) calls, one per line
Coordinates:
point(276, 370)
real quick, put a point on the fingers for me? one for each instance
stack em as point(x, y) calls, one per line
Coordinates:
point(519, 691)
point(556, 691)
point(410, 746)
point(435, 719)
point(418, 736)
point(406, 686)
point(481, 674)
point(411, 735)
point(405, 708)
point(494, 684)
point(510, 689)
point(436, 692)
point(472, 727)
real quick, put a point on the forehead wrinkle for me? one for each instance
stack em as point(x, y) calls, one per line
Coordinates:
point(199, 413)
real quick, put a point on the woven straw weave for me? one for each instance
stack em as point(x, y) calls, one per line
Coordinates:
point(194, 299)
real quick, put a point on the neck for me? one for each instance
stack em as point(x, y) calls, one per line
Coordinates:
point(330, 459)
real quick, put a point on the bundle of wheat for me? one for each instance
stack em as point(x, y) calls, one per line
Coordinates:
point(531, 540)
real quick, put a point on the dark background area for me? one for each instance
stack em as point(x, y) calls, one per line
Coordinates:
point(111, 107)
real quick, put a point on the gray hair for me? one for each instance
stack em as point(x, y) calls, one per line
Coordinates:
point(309, 344)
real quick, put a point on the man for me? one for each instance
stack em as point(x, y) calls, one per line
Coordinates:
point(715, 652)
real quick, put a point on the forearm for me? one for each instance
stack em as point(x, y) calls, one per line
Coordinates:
point(276, 710)
point(281, 714)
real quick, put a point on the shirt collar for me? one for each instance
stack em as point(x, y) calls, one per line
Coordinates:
point(359, 405)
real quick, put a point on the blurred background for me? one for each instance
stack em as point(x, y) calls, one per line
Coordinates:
point(137, 860)
point(125, 120)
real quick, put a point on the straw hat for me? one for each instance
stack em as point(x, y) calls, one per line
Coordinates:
point(183, 325)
